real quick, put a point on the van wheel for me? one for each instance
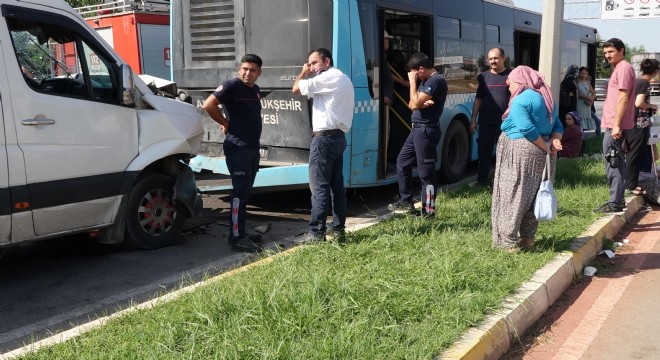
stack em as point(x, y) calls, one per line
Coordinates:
point(154, 219)
point(455, 152)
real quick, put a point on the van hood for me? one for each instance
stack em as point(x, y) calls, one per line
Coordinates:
point(171, 127)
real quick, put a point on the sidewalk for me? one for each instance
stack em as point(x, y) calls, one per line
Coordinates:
point(522, 310)
point(613, 315)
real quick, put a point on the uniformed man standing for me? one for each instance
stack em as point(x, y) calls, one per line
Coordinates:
point(427, 103)
point(240, 100)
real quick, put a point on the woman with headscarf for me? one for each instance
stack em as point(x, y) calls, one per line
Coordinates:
point(568, 92)
point(530, 129)
point(572, 141)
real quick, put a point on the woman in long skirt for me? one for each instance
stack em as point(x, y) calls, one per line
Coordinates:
point(530, 129)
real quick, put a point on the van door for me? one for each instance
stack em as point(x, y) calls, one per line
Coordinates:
point(5, 199)
point(76, 138)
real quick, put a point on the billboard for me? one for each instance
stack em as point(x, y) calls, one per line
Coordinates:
point(629, 9)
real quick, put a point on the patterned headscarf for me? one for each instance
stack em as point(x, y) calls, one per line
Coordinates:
point(578, 121)
point(529, 78)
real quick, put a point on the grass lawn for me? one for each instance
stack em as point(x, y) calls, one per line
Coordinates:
point(404, 288)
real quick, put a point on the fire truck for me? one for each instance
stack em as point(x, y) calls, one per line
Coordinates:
point(139, 31)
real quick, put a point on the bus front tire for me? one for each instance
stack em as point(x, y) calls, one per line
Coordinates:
point(455, 152)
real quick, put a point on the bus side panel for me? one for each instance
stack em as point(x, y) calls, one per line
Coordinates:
point(361, 155)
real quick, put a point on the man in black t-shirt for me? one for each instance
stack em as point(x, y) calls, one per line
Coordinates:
point(490, 103)
point(241, 124)
point(427, 103)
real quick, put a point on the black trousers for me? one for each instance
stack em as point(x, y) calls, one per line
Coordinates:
point(636, 139)
point(243, 165)
point(488, 135)
point(420, 148)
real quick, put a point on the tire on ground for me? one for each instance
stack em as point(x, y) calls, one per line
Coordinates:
point(455, 152)
point(153, 218)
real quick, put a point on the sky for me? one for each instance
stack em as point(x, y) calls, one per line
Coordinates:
point(633, 32)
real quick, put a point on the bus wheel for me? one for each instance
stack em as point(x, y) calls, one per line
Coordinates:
point(154, 219)
point(455, 152)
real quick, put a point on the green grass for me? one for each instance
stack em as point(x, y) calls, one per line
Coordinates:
point(594, 145)
point(405, 288)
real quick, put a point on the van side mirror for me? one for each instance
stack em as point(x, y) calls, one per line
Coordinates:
point(127, 85)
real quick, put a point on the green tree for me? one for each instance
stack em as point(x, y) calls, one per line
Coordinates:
point(79, 3)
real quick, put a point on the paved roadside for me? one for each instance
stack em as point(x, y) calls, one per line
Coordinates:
point(613, 315)
point(533, 299)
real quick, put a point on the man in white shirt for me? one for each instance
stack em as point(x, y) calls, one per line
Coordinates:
point(332, 117)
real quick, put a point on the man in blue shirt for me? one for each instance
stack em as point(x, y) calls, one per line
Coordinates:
point(241, 124)
point(427, 103)
point(490, 102)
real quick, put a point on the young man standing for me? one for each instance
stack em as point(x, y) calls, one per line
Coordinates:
point(618, 113)
point(241, 124)
point(490, 103)
point(332, 116)
point(427, 103)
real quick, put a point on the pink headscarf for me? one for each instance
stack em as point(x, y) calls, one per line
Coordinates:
point(529, 78)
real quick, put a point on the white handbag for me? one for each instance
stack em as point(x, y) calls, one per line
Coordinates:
point(545, 205)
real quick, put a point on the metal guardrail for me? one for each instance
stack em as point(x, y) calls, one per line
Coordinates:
point(124, 6)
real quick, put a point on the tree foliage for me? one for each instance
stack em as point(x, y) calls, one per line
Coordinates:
point(79, 3)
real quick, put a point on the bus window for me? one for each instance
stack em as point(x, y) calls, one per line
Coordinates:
point(371, 58)
point(459, 53)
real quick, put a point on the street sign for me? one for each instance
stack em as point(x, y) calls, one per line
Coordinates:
point(629, 9)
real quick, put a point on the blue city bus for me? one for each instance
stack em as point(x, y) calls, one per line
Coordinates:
point(209, 38)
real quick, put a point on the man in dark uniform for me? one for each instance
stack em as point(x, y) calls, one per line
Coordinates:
point(490, 103)
point(241, 102)
point(427, 103)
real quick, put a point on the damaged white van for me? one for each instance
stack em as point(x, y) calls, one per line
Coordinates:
point(83, 144)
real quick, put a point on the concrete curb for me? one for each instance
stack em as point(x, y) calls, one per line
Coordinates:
point(492, 339)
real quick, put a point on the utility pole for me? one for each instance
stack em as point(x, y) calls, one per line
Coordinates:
point(550, 56)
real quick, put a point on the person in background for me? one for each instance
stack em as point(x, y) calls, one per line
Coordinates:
point(427, 103)
point(618, 117)
point(241, 124)
point(572, 140)
point(586, 96)
point(332, 116)
point(530, 130)
point(490, 102)
point(593, 113)
point(638, 136)
point(568, 92)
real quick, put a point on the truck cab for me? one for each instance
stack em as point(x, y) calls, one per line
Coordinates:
point(84, 144)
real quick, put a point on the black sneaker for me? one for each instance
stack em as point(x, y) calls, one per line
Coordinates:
point(402, 208)
point(338, 235)
point(246, 245)
point(426, 215)
point(309, 238)
point(609, 208)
